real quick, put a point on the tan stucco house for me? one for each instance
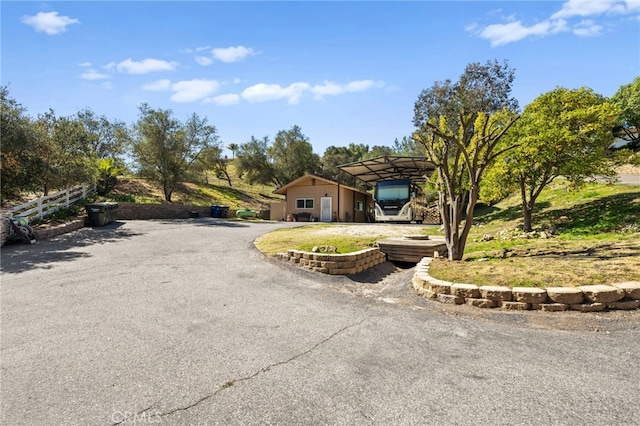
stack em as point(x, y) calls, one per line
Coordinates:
point(313, 198)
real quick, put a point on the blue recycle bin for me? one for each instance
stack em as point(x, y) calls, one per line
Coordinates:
point(215, 211)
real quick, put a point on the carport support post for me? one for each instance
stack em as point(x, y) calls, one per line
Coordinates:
point(339, 177)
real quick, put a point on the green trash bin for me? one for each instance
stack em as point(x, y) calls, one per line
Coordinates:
point(101, 214)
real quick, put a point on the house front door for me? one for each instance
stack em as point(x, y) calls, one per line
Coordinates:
point(325, 209)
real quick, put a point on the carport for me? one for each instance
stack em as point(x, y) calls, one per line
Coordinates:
point(387, 168)
point(390, 167)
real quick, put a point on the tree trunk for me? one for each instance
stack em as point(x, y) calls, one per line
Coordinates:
point(527, 207)
point(168, 190)
point(527, 213)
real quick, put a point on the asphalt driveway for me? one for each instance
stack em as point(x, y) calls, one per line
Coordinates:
point(185, 323)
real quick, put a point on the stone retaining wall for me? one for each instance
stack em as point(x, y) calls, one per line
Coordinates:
point(136, 211)
point(590, 298)
point(5, 214)
point(335, 264)
point(53, 231)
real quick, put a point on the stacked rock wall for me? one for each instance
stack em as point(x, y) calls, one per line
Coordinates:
point(5, 215)
point(590, 298)
point(335, 264)
point(135, 211)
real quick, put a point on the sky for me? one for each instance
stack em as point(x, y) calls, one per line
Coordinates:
point(344, 72)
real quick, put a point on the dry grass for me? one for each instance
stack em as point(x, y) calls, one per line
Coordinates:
point(345, 237)
point(550, 264)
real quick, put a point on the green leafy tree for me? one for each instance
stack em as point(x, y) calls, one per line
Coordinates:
point(379, 151)
point(627, 99)
point(335, 156)
point(107, 175)
point(20, 160)
point(233, 147)
point(64, 150)
point(291, 156)
point(210, 160)
point(164, 148)
point(408, 147)
point(106, 139)
point(460, 125)
point(252, 162)
point(561, 133)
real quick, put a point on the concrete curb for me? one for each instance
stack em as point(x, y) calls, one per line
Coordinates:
point(590, 298)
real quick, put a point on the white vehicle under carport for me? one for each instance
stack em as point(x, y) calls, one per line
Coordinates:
point(395, 202)
point(395, 179)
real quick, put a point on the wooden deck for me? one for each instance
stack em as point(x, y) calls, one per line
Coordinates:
point(411, 249)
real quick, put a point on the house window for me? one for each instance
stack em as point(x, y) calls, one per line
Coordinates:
point(359, 206)
point(304, 203)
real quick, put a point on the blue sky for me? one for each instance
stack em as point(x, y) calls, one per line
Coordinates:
point(343, 71)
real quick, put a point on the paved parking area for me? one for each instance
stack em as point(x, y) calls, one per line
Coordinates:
point(185, 323)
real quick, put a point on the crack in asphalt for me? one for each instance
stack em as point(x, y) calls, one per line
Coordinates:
point(242, 379)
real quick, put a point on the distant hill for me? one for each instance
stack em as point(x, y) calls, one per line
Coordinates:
point(216, 192)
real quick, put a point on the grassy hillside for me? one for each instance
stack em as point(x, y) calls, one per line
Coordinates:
point(216, 192)
point(590, 236)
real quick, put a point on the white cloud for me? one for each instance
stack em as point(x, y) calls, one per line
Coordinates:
point(226, 99)
point(595, 7)
point(326, 89)
point(158, 85)
point(232, 54)
point(500, 34)
point(91, 74)
point(203, 60)
point(587, 28)
point(193, 90)
point(269, 92)
point(49, 22)
point(186, 90)
point(329, 88)
point(362, 85)
point(145, 66)
point(515, 30)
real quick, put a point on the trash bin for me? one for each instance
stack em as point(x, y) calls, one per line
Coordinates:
point(224, 211)
point(215, 211)
point(101, 214)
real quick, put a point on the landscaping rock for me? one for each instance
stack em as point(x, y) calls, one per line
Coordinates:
point(588, 307)
point(440, 287)
point(515, 306)
point(602, 293)
point(565, 295)
point(481, 303)
point(529, 294)
point(631, 289)
point(497, 293)
point(552, 307)
point(627, 305)
point(465, 290)
point(447, 298)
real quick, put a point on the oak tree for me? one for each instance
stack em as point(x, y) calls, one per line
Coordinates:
point(460, 125)
point(561, 133)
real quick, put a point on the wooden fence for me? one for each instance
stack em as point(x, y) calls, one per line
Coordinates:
point(48, 204)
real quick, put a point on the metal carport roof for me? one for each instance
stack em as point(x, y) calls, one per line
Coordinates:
point(388, 167)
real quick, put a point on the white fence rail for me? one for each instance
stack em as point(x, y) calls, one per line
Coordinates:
point(48, 204)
